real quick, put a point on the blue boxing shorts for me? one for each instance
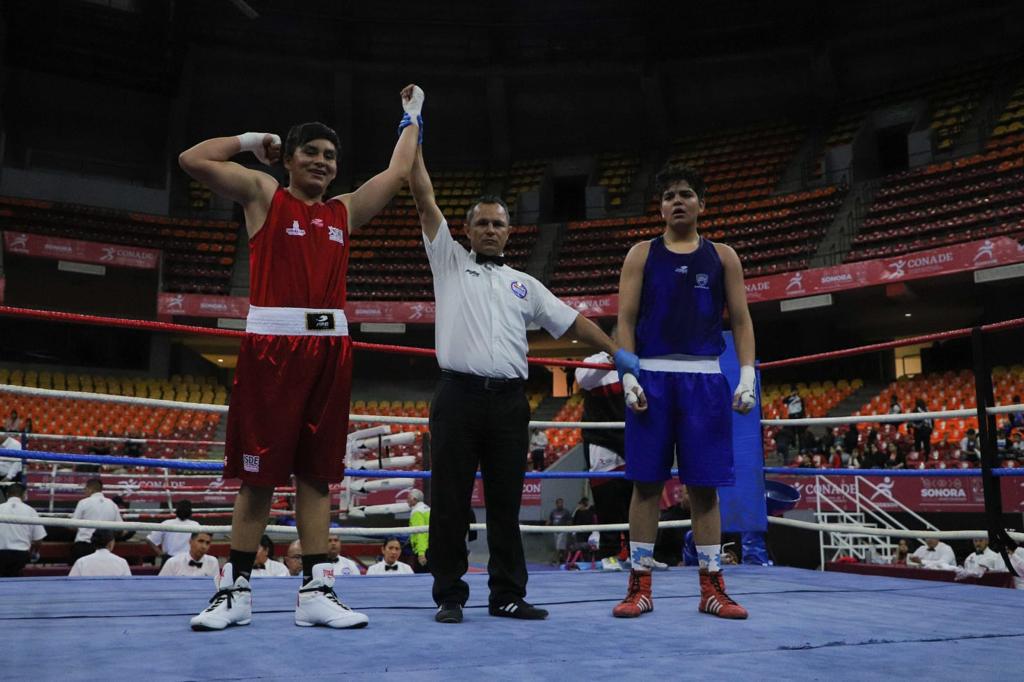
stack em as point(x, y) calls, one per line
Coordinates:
point(689, 414)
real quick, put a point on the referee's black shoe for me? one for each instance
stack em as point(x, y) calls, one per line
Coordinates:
point(517, 609)
point(450, 612)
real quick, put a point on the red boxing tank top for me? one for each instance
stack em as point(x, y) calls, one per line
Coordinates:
point(299, 258)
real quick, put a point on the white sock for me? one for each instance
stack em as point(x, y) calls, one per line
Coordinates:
point(710, 557)
point(641, 556)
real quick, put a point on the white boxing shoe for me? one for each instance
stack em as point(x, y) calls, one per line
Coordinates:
point(319, 605)
point(231, 605)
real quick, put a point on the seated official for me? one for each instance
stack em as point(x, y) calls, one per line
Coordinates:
point(194, 562)
point(102, 562)
point(390, 565)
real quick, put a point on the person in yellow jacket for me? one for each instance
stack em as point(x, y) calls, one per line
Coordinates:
point(420, 517)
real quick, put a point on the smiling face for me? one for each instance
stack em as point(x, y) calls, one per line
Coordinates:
point(488, 229)
point(312, 167)
point(681, 207)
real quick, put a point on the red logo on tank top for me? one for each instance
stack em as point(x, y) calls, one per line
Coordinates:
point(295, 230)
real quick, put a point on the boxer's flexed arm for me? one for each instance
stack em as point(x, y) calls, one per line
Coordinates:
point(209, 163)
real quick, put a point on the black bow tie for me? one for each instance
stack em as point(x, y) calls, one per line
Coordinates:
point(260, 567)
point(197, 564)
point(483, 258)
point(392, 567)
point(931, 549)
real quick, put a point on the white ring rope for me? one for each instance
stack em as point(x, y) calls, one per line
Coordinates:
point(852, 529)
point(899, 417)
point(292, 530)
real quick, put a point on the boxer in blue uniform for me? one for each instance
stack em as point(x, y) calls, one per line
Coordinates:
point(672, 293)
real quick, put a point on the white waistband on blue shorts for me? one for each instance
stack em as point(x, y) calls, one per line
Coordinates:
point(692, 364)
point(296, 321)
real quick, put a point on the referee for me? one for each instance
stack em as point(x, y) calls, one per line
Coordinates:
point(480, 415)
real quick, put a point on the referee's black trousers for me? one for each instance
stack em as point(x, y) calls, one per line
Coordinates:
point(469, 426)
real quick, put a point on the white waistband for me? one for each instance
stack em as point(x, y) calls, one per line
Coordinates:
point(692, 364)
point(296, 321)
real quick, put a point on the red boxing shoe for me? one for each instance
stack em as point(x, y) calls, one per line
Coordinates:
point(714, 600)
point(638, 600)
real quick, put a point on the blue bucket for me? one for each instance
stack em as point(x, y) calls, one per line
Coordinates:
point(779, 497)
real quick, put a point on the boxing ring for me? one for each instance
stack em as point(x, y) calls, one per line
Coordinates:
point(804, 624)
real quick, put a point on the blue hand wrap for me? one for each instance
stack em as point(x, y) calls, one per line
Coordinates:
point(626, 363)
point(406, 121)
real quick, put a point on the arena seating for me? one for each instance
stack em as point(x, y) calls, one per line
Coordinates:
point(560, 441)
point(944, 203)
point(1009, 127)
point(198, 254)
point(524, 176)
point(818, 397)
point(771, 234)
point(615, 173)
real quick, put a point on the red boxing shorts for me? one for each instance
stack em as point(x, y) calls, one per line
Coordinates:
point(290, 401)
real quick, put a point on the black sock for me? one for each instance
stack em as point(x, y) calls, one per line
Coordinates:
point(241, 563)
point(308, 562)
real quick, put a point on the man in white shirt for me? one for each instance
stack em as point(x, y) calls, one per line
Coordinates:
point(195, 561)
point(265, 566)
point(293, 558)
point(16, 539)
point(1017, 561)
point(169, 544)
point(102, 562)
point(538, 449)
point(10, 467)
point(933, 554)
point(342, 564)
point(480, 415)
point(390, 565)
point(981, 561)
point(93, 507)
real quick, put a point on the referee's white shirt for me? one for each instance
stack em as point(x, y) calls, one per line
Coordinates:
point(482, 311)
point(988, 560)
point(179, 566)
point(173, 543)
point(102, 562)
point(17, 536)
point(380, 568)
point(271, 569)
point(96, 507)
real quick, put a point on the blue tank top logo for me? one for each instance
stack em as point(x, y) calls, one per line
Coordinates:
point(681, 302)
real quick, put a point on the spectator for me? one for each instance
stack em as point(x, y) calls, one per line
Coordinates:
point(872, 437)
point(783, 442)
point(560, 516)
point(893, 459)
point(17, 540)
point(902, 552)
point(874, 457)
point(922, 430)
point(981, 561)
point(342, 564)
point(132, 446)
point(28, 427)
point(933, 554)
point(102, 561)
point(93, 507)
point(10, 467)
point(855, 459)
point(668, 548)
point(837, 459)
point(391, 549)
point(419, 542)
point(293, 558)
point(1016, 447)
point(265, 566)
point(538, 449)
point(1016, 418)
point(584, 515)
point(169, 544)
point(970, 447)
point(195, 561)
point(851, 439)
point(13, 423)
point(895, 407)
point(795, 410)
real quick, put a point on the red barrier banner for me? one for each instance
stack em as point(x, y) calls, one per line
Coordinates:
point(44, 246)
point(918, 493)
point(948, 260)
point(202, 305)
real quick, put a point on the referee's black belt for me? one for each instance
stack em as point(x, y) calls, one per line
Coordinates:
point(483, 383)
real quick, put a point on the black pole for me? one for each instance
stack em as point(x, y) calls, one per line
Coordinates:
point(985, 398)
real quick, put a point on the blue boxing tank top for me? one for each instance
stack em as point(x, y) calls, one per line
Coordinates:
point(681, 302)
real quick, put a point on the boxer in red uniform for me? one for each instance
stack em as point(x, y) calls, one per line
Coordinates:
point(289, 407)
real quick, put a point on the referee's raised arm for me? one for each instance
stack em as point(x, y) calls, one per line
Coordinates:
point(423, 195)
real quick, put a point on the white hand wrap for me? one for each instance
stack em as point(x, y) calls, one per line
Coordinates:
point(632, 389)
point(745, 389)
point(414, 105)
point(253, 142)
